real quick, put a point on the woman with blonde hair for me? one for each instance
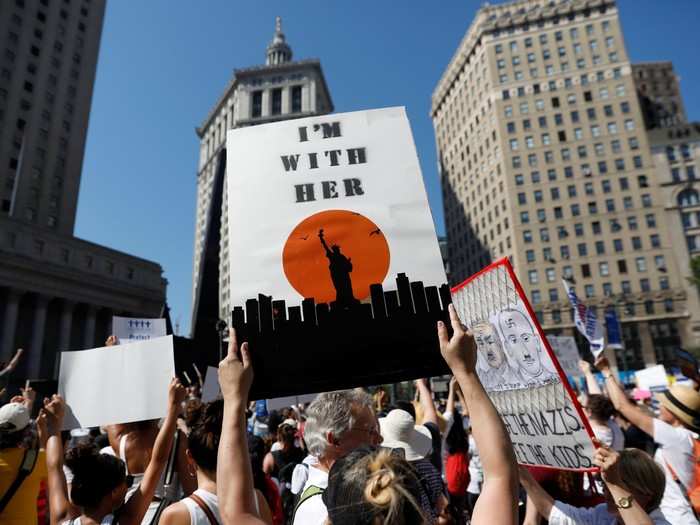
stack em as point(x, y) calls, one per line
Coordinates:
point(371, 486)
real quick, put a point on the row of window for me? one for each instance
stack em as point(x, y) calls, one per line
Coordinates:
point(615, 226)
point(629, 309)
point(564, 67)
point(577, 48)
point(557, 36)
point(635, 244)
point(588, 187)
point(275, 101)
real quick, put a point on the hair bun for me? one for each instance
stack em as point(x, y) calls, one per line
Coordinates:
point(380, 487)
point(82, 458)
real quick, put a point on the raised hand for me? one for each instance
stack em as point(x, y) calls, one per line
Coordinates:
point(29, 395)
point(176, 393)
point(459, 351)
point(609, 462)
point(584, 366)
point(55, 410)
point(602, 363)
point(235, 372)
point(111, 340)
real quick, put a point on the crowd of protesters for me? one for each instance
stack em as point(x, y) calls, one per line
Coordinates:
point(349, 457)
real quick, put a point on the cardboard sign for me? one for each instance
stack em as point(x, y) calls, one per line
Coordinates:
point(652, 378)
point(521, 374)
point(330, 210)
point(565, 349)
point(116, 384)
point(130, 330)
point(350, 208)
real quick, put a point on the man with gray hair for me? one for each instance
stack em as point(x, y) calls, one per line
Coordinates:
point(336, 423)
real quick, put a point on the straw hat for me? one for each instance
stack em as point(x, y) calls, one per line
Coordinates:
point(684, 403)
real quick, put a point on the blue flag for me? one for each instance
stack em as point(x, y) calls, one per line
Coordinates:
point(614, 331)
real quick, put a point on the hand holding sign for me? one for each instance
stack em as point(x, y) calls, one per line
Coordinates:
point(609, 461)
point(459, 352)
point(235, 373)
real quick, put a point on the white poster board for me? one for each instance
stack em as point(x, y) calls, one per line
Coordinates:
point(130, 329)
point(116, 384)
point(567, 353)
point(519, 372)
point(344, 207)
point(652, 378)
point(211, 390)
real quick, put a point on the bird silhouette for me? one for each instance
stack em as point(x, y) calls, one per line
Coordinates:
point(375, 232)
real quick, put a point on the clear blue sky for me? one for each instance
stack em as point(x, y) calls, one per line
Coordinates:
point(164, 63)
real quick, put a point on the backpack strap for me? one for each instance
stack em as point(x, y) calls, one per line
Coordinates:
point(25, 468)
point(205, 508)
point(309, 492)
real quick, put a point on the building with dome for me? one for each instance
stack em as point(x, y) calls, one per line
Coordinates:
point(278, 90)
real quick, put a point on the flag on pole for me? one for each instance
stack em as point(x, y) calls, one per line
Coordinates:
point(612, 326)
point(586, 322)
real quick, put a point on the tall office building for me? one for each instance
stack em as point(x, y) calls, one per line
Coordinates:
point(57, 292)
point(544, 159)
point(279, 90)
point(659, 92)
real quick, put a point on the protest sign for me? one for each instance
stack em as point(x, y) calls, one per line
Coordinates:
point(130, 330)
point(520, 372)
point(652, 378)
point(586, 321)
point(351, 223)
point(211, 390)
point(565, 349)
point(116, 384)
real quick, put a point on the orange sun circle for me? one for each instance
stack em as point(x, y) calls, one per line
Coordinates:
point(353, 243)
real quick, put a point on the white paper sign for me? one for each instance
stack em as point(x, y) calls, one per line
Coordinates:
point(211, 390)
point(116, 384)
point(130, 330)
point(567, 354)
point(653, 377)
point(325, 206)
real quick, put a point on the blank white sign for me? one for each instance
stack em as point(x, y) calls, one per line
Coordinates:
point(116, 384)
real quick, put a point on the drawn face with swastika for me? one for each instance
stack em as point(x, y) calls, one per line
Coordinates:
point(489, 344)
point(522, 342)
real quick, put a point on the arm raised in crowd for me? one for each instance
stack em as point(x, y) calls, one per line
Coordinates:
point(426, 401)
point(609, 460)
point(497, 503)
point(49, 424)
point(621, 402)
point(591, 381)
point(451, 394)
point(134, 509)
point(234, 474)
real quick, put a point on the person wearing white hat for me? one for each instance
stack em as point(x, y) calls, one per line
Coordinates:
point(674, 431)
point(399, 431)
point(21, 464)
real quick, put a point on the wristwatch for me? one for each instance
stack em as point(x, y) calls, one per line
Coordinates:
point(625, 502)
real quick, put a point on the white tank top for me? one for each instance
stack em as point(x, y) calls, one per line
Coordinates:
point(197, 515)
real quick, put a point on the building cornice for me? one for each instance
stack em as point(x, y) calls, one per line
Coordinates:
point(504, 17)
point(255, 71)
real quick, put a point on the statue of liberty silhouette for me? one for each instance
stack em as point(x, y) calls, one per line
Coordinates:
point(340, 267)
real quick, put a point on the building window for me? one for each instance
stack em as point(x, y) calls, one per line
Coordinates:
point(276, 101)
point(256, 106)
